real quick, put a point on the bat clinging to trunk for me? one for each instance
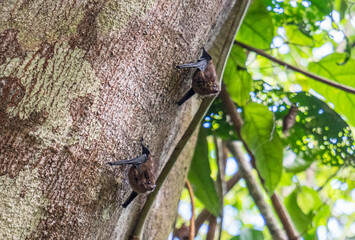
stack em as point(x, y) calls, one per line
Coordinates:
point(141, 175)
point(204, 79)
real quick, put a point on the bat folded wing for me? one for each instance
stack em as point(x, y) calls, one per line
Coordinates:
point(135, 161)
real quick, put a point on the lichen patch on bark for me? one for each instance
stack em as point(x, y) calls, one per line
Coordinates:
point(115, 14)
point(38, 21)
point(52, 78)
point(21, 204)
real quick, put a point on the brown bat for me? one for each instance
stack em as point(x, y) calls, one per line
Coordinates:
point(204, 79)
point(142, 180)
point(141, 175)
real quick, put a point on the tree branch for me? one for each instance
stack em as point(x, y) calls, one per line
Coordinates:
point(256, 192)
point(212, 223)
point(220, 181)
point(192, 220)
point(284, 217)
point(311, 75)
point(237, 123)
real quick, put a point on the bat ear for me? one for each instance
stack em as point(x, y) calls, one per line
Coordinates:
point(145, 150)
point(205, 54)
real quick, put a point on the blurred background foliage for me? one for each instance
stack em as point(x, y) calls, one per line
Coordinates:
point(311, 165)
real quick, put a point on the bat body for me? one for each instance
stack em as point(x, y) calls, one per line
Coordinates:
point(142, 180)
point(204, 79)
point(141, 175)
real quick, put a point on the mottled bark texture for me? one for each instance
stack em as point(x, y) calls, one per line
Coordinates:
point(80, 83)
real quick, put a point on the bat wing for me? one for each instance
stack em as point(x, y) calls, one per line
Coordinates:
point(186, 97)
point(131, 197)
point(200, 64)
point(136, 161)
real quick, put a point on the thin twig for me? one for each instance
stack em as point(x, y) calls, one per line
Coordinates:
point(220, 182)
point(308, 74)
point(192, 220)
point(201, 218)
point(284, 217)
point(212, 223)
point(328, 179)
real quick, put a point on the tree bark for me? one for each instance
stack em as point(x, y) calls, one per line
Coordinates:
point(80, 84)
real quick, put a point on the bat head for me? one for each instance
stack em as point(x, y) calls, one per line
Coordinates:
point(149, 181)
point(215, 88)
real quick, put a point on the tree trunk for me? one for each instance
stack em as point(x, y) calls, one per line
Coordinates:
point(80, 84)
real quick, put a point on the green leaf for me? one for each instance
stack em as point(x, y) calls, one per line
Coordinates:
point(199, 176)
point(236, 77)
point(258, 132)
point(322, 215)
point(295, 36)
point(341, 6)
point(319, 132)
point(344, 102)
point(257, 29)
point(301, 220)
point(308, 200)
point(249, 234)
point(322, 5)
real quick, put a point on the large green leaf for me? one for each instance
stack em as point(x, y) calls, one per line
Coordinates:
point(295, 36)
point(249, 234)
point(308, 200)
point(319, 132)
point(257, 29)
point(236, 77)
point(264, 142)
point(323, 6)
point(301, 220)
point(328, 67)
point(199, 176)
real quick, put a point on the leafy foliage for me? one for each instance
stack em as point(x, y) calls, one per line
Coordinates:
point(259, 133)
point(199, 176)
point(217, 122)
point(328, 67)
point(254, 30)
point(319, 132)
point(236, 77)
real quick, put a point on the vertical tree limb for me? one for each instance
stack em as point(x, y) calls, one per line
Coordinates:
point(220, 182)
point(212, 224)
point(192, 220)
point(256, 192)
point(238, 122)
